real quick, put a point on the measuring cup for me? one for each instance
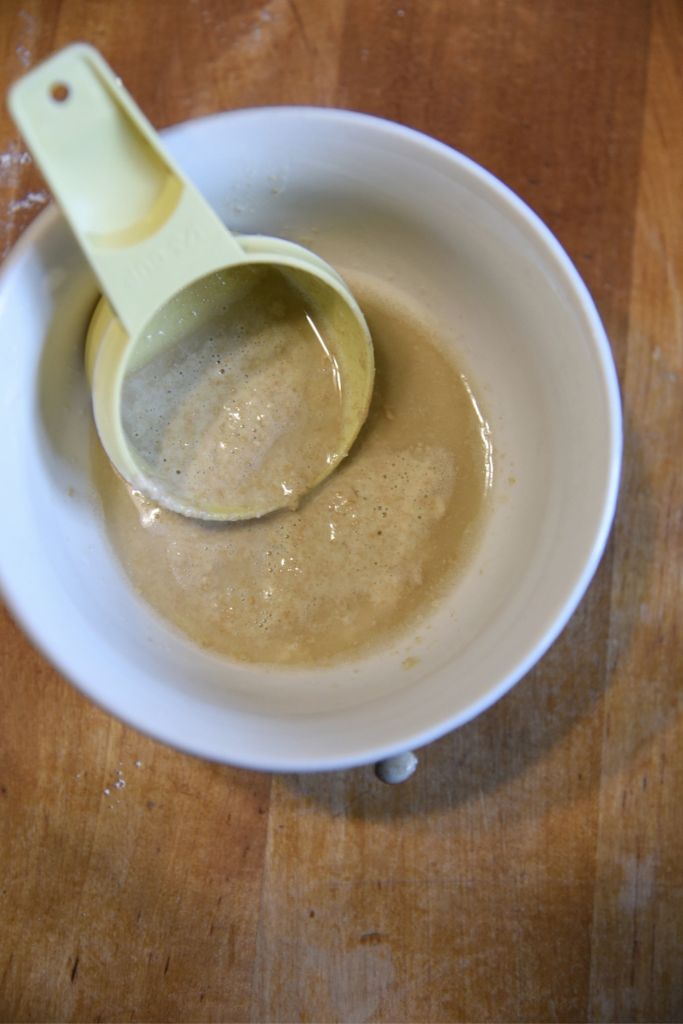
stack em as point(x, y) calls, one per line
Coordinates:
point(165, 260)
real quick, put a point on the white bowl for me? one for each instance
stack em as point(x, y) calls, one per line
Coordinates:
point(375, 197)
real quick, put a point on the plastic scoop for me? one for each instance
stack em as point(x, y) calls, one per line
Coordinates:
point(229, 374)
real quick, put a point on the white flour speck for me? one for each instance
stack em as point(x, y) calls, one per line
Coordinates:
point(24, 55)
point(12, 156)
point(28, 202)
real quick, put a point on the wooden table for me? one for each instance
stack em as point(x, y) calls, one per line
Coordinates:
point(533, 869)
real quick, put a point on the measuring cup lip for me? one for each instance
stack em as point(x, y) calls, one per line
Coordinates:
point(109, 349)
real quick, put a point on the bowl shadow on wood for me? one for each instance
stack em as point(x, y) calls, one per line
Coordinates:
point(545, 736)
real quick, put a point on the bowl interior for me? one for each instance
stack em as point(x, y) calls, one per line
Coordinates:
point(373, 199)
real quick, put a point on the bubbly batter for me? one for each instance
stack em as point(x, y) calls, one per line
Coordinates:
point(247, 410)
point(364, 555)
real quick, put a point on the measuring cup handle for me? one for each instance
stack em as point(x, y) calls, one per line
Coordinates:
point(142, 225)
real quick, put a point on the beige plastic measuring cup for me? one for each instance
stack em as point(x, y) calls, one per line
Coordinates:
point(161, 255)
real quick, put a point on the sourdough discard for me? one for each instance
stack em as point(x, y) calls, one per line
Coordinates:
point(365, 554)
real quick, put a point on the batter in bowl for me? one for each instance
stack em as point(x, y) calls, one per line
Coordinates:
point(366, 554)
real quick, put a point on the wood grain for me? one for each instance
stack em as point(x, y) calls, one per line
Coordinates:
point(532, 870)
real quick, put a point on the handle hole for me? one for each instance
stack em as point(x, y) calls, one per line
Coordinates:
point(60, 92)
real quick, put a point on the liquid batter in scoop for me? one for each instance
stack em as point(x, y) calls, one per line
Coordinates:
point(246, 408)
point(366, 554)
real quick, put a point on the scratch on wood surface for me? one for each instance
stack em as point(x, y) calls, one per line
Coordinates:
point(638, 882)
point(355, 988)
point(7, 967)
point(655, 234)
point(300, 25)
